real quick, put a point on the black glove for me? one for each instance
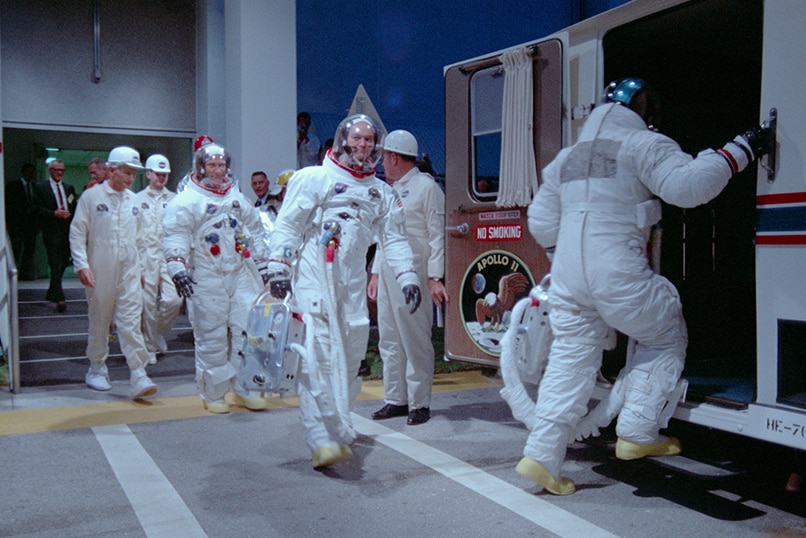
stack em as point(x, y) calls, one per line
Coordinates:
point(280, 287)
point(278, 275)
point(264, 275)
point(263, 270)
point(412, 295)
point(759, 140)
point(184, 284)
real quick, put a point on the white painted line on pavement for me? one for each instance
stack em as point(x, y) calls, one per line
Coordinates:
point(526, 505)
point(110, 356)
point(157, 505)
point(52, 336)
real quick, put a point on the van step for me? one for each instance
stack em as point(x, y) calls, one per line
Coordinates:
point(695, 468)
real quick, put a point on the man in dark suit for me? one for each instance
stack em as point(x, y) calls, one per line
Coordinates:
point(56, 203)
point(22, 221)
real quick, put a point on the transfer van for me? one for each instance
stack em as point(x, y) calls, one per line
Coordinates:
point(721, 67)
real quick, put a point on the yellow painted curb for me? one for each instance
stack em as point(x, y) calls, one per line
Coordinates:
point(161, 409)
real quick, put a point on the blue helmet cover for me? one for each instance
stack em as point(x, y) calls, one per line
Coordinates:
point(623, 90)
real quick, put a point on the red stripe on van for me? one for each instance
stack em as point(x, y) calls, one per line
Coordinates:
point(784, 198)
point(794, 239)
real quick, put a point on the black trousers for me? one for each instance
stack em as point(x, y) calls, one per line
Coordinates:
point(58, 250)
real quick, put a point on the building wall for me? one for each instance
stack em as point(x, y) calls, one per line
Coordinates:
point(146, 73)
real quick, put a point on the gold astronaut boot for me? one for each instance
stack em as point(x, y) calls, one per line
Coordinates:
point(538, 473)
point(627, 450)
point(218, 407)
point(253, 403)
point(330, 454)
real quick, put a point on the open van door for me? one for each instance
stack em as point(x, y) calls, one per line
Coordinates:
point(781, 227)
point(491, 259)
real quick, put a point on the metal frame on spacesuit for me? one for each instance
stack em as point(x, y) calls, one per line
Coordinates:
point(272, 347)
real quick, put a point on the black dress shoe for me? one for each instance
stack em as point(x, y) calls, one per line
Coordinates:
point(61, 306)
point(389, 411)
point(419, 416)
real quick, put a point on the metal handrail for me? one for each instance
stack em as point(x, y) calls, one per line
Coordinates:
point(13, 321)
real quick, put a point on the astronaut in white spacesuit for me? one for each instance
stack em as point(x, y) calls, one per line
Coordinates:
point(594, 212)
point(104, 244)
point(223, 229)
point(330, 216)
point(161, 303)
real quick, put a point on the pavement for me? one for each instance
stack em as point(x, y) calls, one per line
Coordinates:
point(82, 463)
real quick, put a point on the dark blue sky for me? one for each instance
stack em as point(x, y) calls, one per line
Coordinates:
point(397, 50)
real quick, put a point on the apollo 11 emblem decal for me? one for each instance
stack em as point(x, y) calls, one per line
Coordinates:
point(492, 284)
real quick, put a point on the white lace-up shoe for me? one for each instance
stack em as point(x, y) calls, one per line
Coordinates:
point(162, 345)
point(97, 378)
point(152, 357)
point(141, 385)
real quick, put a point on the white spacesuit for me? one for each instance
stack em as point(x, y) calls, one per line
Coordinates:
point(104, 246)
point(222, 228)
point(331, 215)
point(161, 303)
point(596, 205)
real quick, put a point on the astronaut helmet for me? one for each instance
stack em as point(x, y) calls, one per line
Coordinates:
point(202, 140)
point(212, 153)
point(358, 143)
point(638, 96)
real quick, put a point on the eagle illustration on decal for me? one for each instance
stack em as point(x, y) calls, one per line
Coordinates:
point(491, 286)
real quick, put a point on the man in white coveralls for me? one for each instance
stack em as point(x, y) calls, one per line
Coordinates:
point(104, 246)
point(330, 216)
point(161, 303)
point(215, 221)
point(594, 212)
point(405, 339)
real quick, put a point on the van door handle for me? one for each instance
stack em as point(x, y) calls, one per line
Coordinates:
point(462, 228)
point(771, 158)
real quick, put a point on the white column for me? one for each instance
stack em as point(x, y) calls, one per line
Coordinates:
point(210, 72)
point(261, 86)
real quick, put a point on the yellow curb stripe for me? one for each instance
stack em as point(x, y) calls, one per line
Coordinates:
point(160, 409)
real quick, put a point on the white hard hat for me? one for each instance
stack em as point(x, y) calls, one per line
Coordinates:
point(274, 187)
point(402, 142)
point(124, 155)
point(158, 163)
